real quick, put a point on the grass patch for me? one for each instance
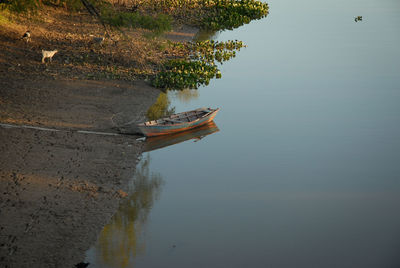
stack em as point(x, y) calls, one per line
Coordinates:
point(159, 23)
point(4, 17)
point(20, 6)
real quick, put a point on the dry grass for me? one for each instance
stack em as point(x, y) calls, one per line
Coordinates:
point(128, 54)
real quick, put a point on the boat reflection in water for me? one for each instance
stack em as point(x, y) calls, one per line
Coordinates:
point(158, 142)
point(123, 239)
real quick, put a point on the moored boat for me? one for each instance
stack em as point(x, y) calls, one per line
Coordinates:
point(178, 122)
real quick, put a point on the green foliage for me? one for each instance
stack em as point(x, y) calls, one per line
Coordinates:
point(208, 14)
point(4, 17)
point(229, 14)
point(181, 74)
point(199, 68)
point(211, 51)
point(20, 6)
point(158, 24)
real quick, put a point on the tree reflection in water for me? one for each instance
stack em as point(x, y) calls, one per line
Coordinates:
point(160, 108)
point(186, 95)
point(120, 242)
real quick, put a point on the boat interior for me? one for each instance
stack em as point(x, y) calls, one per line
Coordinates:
point(181, 117)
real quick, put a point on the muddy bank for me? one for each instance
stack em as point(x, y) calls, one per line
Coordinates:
point(75, 104)
point(58, 189)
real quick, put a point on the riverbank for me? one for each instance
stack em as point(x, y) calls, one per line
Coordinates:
point(59, 188)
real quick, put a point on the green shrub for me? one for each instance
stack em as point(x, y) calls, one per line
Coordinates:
point(20, 6)
point(208, 14)
point(229, 14)
point(213, 51)
point(200, 65)
point(181, 74)
point(158, 24)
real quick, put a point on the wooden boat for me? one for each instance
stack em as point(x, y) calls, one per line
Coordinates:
point(198, 133)
point(178, 122)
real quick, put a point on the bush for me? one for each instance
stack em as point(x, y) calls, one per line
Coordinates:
point(208, 14)
point(20, 6)
point(199, 67)
point(181, 74)
point(158, 24)
point(229, 14)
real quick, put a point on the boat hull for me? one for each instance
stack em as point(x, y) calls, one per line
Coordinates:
point(157, 130)
point(162, 141)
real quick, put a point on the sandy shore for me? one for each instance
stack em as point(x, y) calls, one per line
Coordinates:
point(59, 188)
point(75, 104)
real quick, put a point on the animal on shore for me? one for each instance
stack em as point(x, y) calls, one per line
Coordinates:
point(27, 36)
point(48, 54)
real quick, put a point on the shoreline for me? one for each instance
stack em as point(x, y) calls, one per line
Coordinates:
point(60, 188)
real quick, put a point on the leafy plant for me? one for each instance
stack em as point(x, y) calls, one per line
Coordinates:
point(208, 14)
point(213, 51)
point(181, 74)
point(200, 65)
point(229, 14)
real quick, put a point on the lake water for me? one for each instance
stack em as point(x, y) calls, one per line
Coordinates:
point(305, 168)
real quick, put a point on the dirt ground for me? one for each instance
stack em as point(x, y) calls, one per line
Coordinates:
point(75, 104)
point(59, 188)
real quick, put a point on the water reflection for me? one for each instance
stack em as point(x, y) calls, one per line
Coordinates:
point(186, 95)
point(317, 184)
point(120, 241)
point(203, 35)
point(160, 108)
point(196, 134)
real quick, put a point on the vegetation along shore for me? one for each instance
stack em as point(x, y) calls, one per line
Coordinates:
point(91, 65)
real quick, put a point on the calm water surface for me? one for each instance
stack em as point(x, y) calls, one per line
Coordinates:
point(305, 168)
